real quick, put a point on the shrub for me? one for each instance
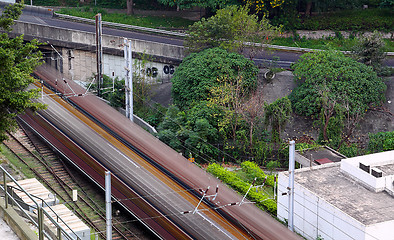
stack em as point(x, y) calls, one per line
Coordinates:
point(199, 73)
point(382, 141)
point(370, 50)
point(242, 187)
point(252, 171)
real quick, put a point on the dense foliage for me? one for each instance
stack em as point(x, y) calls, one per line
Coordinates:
point(277, 115)
point(382, 141)
point(353, 20)
point(185, 4)
point(199, 72)
point(253, 171)
point(192, 132)
point(242, 187)
point(138, 20)
point(370, 50)
point(337, 90)
point(334, 73)
point(17, 62)
point(231, 28)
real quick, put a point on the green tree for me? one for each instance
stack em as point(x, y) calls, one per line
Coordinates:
point(114, 91)
point(277, 115)
point(232, 28)
point(370, 50)
point(331, 85)
point(191, 131)
point(199, 72)
point(17, 62)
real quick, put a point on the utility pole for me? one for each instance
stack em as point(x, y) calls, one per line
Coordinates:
point(99, 53)
point(129, 79)
point(108, 207)
point(291, 185)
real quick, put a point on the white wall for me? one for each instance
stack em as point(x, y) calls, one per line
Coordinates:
point(314, 217)
point(114, 66)
point(381, 231)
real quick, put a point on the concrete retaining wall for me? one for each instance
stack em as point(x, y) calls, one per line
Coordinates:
point(85, 40)
point(17, 224)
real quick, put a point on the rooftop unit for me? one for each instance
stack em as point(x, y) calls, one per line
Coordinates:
point(374, 171)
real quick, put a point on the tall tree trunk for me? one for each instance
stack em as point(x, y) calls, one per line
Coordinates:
point(130, 9)
point(251, 135)
point(308, 8)
point(325, 129)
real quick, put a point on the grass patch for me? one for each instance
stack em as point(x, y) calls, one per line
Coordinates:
point(17, 165)
point(345, 44)
point(351, 20)
point(138, 20)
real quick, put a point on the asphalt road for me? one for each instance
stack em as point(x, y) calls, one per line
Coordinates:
point(286, 58)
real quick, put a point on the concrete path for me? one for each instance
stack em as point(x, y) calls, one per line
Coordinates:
point(6, 232)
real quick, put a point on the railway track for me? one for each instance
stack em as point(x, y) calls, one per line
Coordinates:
point(61, 179)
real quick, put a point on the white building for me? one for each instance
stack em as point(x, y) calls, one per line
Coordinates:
point(351, 199)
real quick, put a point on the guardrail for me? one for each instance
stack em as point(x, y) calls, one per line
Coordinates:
point(120, 25)
point(40, 210)
point(183, 35)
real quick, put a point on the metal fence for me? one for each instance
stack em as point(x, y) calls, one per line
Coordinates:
point(40, 211)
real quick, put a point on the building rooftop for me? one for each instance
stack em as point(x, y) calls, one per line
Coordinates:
point(387, 169)
point(346, 193)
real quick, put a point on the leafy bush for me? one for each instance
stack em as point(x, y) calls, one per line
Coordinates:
point(337, 90)
point(351, 150)
point(199, 73)
point(353, 20)
point(45, 2)
point(254, 171)
point(370, 50)
point(332, 71)
point(138, 20)
point(382, 141)
point(242, 187)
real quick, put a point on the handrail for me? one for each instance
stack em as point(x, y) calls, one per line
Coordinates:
point(46, 213)
point(37, 206)
point(120, 25)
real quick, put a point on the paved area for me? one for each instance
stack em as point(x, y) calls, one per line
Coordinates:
point(6, 232)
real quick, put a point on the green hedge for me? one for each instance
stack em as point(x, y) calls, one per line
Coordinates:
point(352, 20)
point(382, 141)
point(231, 179)
point(254, 171)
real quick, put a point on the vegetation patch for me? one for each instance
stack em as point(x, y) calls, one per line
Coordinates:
point(261, 199)
point(138, 20)
point(341, 44)
point(351, 20)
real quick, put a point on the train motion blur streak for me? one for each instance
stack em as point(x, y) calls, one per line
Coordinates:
point(258, 223)
point(161, 193)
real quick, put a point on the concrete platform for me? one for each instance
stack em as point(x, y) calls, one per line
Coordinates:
point(36, 190)
point(69, 218)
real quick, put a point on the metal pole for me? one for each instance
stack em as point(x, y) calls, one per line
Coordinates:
point(131, 82)
point(126, 59)
point(5, 190)
point(291, 185)
point(99, 54)
point(108, 207)
point(59, 231)
point(40, 223)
